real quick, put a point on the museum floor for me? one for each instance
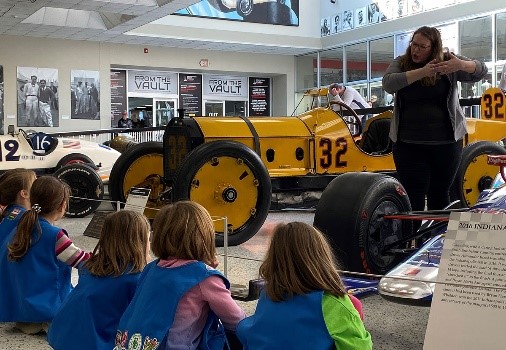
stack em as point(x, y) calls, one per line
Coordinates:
point(392, 326)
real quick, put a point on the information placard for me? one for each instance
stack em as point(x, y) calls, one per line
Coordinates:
point(137, 199)
point(470, 303)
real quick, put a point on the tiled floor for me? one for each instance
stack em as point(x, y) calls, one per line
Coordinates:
point(392, 326)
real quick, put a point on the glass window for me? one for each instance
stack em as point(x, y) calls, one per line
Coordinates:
point(501, 36)
point(476, 38)
point(356, 62)
point(306, 68)
point(331, 66)
point(382, 52)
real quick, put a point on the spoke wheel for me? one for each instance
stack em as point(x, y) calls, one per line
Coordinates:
point(229, 180)
point(474, 174)
point(140, 166)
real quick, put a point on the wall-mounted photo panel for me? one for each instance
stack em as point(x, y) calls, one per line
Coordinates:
point(85, 94)
point(374, 14)
point(37, 97)
point(336, 23)
point(325, 26)
point(415, 6)
point(348, 20)
point(2, 115)
point(361, 17)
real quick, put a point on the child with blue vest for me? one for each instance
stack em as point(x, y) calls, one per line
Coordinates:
point(180, 290)
point(15, 187)
point(36, 260)
point(304, 304)
point(89, 318)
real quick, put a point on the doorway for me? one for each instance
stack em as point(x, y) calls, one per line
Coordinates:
point(164, 111)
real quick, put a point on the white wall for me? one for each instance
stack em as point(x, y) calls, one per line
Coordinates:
point(67, 55)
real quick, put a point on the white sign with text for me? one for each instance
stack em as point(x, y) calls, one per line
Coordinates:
point(469, 303)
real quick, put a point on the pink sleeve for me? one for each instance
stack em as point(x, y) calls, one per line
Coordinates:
point(221, 302)
point(358, 305)
point(67, 252)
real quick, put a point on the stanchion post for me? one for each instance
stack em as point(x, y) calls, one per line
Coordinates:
point(225, 245)
point(118, 206)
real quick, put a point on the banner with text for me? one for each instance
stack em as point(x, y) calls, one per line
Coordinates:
point(152, 82)
point(118, 95)
point(469, 301)
point(190, 94)
point(259, 97)
point(225, 86)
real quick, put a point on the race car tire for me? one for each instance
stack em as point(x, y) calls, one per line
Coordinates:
point(73, 158)
point(87, 189)
point(139, 166)
point(474, 174)
point(244, 7)
point(350, 214)
point(230, 180)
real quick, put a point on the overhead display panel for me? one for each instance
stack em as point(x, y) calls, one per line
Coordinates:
point(281, 12)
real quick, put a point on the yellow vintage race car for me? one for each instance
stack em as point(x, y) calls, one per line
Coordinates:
point(233, 165)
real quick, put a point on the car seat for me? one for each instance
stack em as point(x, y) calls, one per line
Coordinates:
point(375, 139)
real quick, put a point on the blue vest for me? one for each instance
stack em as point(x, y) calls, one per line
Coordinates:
point(296, 323)
point(90, 315)
point(13, 212)
point(150, 315)
point(34, 287)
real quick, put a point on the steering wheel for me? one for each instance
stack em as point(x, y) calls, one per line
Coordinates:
point(355, 124)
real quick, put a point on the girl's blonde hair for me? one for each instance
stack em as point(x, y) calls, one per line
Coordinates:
point(406, 61)
point(47, 195)
point(122, 245)
point(184, 230)
point(299, 261)
point(12, 182)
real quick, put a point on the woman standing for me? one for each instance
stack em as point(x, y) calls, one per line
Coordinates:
point(428, 123)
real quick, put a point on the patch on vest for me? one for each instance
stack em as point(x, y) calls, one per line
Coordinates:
point(14, 214)
point(135, 342)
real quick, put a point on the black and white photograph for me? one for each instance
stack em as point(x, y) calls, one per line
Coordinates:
point(415, 6)
point(325, 26)
point(2, 116)
point(402, 8)
point(360, 17)
point(85, 94)
point(37, 97)
point(336, 23)
point(348, 20)
point(374, 14)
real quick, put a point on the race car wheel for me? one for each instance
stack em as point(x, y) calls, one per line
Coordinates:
point(350, 214)
point(86, 186)
point(140, 166)
point(229, 180)
point(244, 7)
point(75, 158)
point(474, 174)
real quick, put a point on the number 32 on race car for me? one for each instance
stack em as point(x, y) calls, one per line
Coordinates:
point(332, 153)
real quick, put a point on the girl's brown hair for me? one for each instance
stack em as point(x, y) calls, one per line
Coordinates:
point(299, 261)
point(406, 61)
point(47, 195)
point(184, 230)
point(12, 182)
point(122, 245)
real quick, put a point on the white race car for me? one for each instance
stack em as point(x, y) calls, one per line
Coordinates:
point(84, 165)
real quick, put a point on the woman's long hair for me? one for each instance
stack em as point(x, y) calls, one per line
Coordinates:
point(47, 195)
point(11, 183)
point(406, 61)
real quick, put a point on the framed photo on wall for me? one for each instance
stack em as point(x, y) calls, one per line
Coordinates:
point(37, 97)
point(85, 94)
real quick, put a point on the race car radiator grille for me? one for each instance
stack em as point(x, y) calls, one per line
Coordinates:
point(179, 138)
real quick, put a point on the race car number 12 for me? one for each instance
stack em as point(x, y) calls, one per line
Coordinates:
point(11, 146)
